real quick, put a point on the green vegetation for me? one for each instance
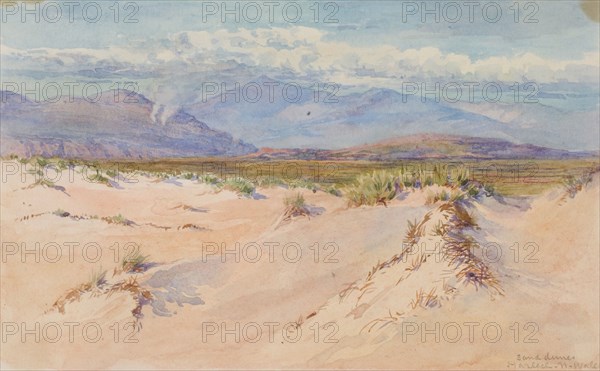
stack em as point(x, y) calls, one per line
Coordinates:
point(99, 178)
point(295, 206)
point(372, 189)
point(61, 213)
point(505, 177)
point(42, 162)
point(240, 186)
point(62, 165)
point(269, 181)
point(333, 190)
point(134, 262)
point(574, 184)
point(296, 201)
point(302, 183)
point(118, 219)
point(209, 179)
point(445, 195)
point(112, 173)
point(44, 183)
point(97, 279)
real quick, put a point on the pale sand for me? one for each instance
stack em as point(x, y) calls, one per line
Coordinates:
point(558, 293)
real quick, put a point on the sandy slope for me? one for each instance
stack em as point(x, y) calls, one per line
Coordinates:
point(551, 295)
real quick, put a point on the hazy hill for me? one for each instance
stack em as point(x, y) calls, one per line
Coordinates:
point(349, 118)
point(128, 125)
point(427, 146)
point(119, 125)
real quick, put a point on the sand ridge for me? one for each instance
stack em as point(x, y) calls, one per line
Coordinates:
point(347, 313)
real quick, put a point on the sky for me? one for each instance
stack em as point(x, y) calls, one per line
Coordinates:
point(170, 48)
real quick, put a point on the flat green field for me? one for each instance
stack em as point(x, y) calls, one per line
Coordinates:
point(508, 177)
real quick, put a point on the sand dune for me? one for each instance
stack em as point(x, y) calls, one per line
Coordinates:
point(343, 288)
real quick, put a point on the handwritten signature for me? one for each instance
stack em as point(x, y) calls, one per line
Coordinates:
point(549, 361)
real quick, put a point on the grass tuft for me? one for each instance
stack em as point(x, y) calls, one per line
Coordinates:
point(97, 279)
point(134, 262)
point(377, 188)
point(99, 178)
point(295, 206)
point(332, 190)
point(210, 179)
point(61, 213)
point(241, 186)
point(575, 184)
point(118, 219)
point(425, 300)
point(270, 181)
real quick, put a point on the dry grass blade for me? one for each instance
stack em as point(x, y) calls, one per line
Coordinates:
point(95, 285)
point(418, 299)
point(449, 289)
point(346, 291)
point(429, 300)
point(383, 321)
point(440, 229)
point(417, 262)
point(458, 249)
point(416, 230)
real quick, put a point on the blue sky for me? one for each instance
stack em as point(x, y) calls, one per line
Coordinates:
point(557, 31)
point(175, 46)
point(562, 29)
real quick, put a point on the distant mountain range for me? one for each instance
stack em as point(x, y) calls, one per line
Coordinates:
point(121, 124)
point(140, 128)
point(341, 119)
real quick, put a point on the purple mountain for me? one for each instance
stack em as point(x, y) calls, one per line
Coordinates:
point(121, 124)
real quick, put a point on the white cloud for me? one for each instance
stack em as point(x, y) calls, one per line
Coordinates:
point(306, 51)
